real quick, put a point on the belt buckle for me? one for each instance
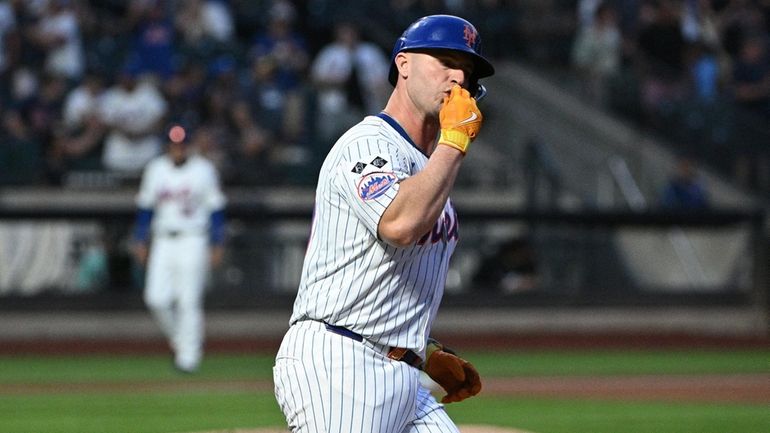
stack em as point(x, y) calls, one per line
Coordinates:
point(405, 355)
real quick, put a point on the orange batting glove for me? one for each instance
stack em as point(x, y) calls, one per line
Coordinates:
point(460, 119)
point(457, 376)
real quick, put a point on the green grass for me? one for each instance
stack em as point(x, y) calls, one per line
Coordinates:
point(620, 362)
point(137, 413)
point(114, 368)
point(98, 410)
point(592, 416)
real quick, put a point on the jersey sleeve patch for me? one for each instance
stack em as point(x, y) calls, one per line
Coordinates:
point(373, 176)
point(379, 162)
point(358, 168)
point(368, 182)
point(370, 164)
point(375, 184)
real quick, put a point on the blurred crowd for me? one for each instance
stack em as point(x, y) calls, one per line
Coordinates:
point(87, 86)
point(695, 71)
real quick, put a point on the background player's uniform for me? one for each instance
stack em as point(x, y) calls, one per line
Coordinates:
point(182, 199)
point(327, 382)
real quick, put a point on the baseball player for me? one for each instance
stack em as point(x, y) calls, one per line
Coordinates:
point(181, 207)
point(383, 232)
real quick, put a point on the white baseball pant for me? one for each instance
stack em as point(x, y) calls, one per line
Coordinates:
point(176, 277)
point(326, 382)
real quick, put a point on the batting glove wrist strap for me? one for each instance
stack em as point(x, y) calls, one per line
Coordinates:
point(455, 139)
point(433, 346)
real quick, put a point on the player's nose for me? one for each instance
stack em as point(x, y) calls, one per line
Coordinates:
point(457, 76)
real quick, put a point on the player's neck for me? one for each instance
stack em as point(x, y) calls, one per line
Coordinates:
point(179, 161)
point(421, 129)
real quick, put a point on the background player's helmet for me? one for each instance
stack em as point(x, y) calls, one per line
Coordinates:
point(443, 32)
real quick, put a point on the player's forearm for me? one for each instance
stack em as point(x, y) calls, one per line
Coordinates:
point(420, 199)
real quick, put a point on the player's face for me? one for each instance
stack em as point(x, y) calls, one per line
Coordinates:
point(433, 74)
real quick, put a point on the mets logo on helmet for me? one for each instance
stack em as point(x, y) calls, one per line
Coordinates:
point(469, 34)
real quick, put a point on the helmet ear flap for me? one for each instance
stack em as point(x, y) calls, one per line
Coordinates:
point(397, 48)
point(477, 91)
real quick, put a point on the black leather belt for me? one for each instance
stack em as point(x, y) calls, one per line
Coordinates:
point(345, 332)
point(395, 353)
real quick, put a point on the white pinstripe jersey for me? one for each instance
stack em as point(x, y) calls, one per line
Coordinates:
point(182, 197)
point(351, 278)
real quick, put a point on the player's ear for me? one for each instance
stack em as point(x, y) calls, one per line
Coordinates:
point(402, 64)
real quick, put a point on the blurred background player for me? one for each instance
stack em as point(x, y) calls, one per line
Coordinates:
point(350, 77)
point(132, 110)
point(181, 208)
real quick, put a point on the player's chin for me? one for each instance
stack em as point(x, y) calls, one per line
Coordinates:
point(437, 109)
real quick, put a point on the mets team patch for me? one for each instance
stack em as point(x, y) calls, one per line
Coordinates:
point(375, 184)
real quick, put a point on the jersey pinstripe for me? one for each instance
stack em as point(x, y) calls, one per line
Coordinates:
point(351, 278)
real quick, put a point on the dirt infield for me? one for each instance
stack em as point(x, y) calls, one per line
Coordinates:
point(738, 388)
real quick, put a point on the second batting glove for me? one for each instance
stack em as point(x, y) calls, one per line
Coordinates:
point(457, 376)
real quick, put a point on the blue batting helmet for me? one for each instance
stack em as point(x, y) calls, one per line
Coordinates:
point(445, 32)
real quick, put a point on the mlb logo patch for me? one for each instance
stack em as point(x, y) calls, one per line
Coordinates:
point(374, 185)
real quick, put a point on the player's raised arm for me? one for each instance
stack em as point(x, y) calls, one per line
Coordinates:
point(421, 197)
